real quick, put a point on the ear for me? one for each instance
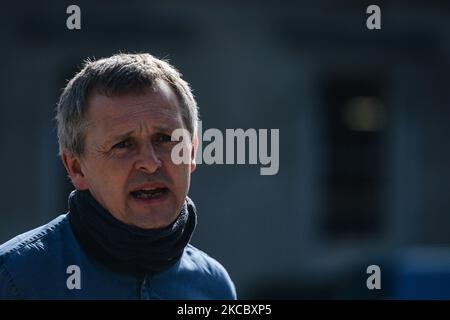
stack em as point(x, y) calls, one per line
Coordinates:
point(194, 151)
point(72, 164)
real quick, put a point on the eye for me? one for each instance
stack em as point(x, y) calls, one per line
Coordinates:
point(122, 144)
point(163, 138)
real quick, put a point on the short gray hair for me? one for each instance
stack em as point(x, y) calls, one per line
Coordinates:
point(115, 75)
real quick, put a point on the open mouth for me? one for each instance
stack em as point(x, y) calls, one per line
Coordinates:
point(149, 193)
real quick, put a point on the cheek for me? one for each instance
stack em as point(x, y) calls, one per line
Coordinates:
point(180, 175)
point(110, 173)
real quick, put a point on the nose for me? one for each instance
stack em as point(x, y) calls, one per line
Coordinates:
point(148, 160)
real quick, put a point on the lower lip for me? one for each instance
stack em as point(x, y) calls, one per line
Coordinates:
point(162, 197)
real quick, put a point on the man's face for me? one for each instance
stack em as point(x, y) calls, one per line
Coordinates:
point(126, 164)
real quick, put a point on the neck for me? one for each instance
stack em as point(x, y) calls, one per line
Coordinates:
point(125, 248)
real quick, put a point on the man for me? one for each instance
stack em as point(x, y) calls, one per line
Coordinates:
point(127, 232)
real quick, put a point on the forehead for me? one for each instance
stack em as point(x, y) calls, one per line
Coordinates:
point(158, 106)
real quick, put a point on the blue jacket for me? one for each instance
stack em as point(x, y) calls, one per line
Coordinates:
point(48, 263)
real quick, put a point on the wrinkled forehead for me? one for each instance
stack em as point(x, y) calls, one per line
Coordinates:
point(155, 106)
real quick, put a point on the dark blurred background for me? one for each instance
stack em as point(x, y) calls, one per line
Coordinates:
point(363, 117)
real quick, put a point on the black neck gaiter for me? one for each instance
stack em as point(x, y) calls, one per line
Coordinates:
point(124, 248)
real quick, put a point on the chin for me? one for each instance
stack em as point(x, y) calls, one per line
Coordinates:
point(153, 220)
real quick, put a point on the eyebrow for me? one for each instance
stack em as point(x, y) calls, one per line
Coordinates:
point(127, 134)
point(165, 128)
point(119, 137)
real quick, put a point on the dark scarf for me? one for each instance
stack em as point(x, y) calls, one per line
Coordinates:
point(124, 248)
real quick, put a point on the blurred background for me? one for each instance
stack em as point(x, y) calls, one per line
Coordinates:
point(363, 116)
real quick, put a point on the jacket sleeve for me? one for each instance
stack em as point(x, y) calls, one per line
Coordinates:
point(228, 287)
point(8, 290)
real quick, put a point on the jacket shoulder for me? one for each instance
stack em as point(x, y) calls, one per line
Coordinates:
point(212, 270)
point(25, 253)
point(30, 241)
